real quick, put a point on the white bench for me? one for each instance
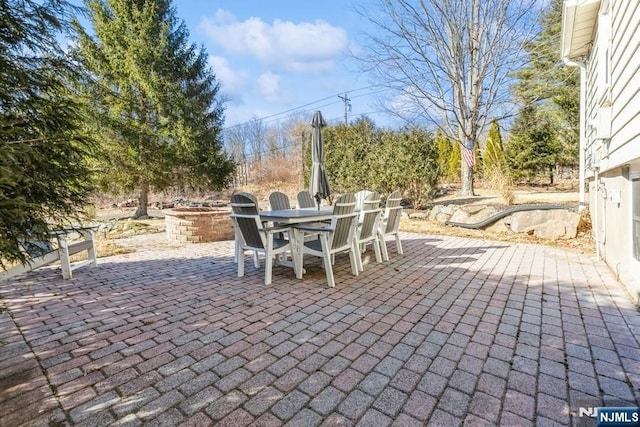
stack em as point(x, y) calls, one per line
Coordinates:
point(64, 244)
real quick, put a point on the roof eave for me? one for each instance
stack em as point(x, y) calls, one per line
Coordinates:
point(579, 19)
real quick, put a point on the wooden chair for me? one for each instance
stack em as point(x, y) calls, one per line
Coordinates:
point(253, 235)
point(253, 199)
point(337, 237)
point(279, 201)
point(360, 197)
point(390, 223)
point(63, 244)
point(368, 225)
point(305, 200)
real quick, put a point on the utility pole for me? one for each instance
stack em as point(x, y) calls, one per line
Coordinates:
point(347, 106)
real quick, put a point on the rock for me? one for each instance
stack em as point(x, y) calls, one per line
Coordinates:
point(526, 221)
point(550, 230)
point(498, 227)
point(460, 216)
point(441, 217)
point(547, 224)
point(419, 215)
point(130, 203)
point(561, 225)
point(442, 211)
point(473, 214)
point(472, 209)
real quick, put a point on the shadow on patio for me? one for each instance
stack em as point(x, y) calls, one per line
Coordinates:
point(455, 331)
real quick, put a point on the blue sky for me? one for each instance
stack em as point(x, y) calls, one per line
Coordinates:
point(277, 55)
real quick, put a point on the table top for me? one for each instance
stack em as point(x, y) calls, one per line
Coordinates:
point(293, 216)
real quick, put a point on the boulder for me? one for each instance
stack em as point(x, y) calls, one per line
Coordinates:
point(526, 221)
point(545, 224)
point(442, 213)
point(498, 227)
point(473, 214)
point(441, 217)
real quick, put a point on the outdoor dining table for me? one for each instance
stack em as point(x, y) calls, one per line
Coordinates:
point(297, 216)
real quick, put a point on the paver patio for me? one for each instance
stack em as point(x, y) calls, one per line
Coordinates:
point(455, 331)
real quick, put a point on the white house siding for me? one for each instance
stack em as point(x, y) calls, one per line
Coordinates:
point(613, 163)
point(625, 73)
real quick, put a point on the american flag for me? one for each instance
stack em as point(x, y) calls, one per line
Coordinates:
point(468, 156)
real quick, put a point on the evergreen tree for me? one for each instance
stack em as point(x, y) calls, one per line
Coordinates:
point(493, 157)
point(479, 167)
point(43, 179)
point(346, 148)
point(360, 155)
point(155, 104)
point(552, 87)
point(533, 147)
point(443, 147)
point(454, 163)
point(497, 175)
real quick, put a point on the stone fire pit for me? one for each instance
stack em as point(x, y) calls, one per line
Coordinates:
point(198, 224)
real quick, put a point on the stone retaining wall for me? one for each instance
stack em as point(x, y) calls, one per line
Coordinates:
point(198, 225)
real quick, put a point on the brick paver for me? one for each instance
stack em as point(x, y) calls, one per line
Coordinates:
point(454, 332)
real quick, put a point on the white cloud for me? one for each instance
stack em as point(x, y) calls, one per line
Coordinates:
point(269, 87)
point(234, 82)
point(300, 47)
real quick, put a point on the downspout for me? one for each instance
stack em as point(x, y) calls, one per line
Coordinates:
point(582, 151)
point(583, 139)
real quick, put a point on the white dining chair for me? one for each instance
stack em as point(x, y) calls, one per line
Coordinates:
point(305, 200)
point(390, 223)
point(368, 227)
point(253, 235)
point(334, 238)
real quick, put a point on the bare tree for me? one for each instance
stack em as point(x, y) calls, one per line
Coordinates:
point(298, 131)
point(235, 141)
point(256, 133)
point(449, 62)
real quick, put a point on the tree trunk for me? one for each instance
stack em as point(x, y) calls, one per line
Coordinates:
point(466, 179)
point(471, 113)
point(143, 200)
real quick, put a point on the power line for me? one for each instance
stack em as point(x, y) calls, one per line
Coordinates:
point(347, 105)
point(301, 108)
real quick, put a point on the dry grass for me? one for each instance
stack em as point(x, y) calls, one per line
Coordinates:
point(106, 248)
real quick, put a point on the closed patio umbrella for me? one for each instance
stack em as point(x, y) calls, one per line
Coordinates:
point(318, 184)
